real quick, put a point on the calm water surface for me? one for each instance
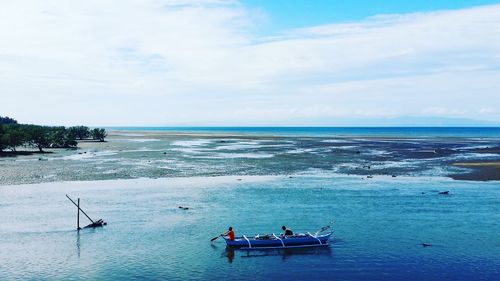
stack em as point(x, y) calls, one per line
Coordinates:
point(380, 225)
point(332, 131)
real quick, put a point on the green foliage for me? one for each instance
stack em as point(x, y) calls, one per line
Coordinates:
point(80, 132)
point(98, 134)
point(60, 137)
point(7, 120)
point(38, 136)
point(2, 132)
point(13, 135)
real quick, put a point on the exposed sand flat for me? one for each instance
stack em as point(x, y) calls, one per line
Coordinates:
point(477, 164)
point(481, 171)
point(488, 150)
point(165, 154)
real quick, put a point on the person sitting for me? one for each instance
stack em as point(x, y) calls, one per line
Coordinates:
point(229, 233)
point(287, 231)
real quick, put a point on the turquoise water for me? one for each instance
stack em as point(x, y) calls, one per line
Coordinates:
point(380, 225)
point(380, 185)
point(332, 131)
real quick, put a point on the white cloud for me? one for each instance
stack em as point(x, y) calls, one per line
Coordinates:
point(167, 62)
point(443, 111)
point(486, 110)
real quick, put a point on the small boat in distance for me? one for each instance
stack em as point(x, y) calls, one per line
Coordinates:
point(273, 241)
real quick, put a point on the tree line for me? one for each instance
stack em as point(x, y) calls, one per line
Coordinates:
point(13, 135)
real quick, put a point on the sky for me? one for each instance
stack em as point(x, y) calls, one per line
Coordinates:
point(250, 63)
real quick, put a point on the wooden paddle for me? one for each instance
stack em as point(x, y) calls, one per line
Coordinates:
point(213, 239)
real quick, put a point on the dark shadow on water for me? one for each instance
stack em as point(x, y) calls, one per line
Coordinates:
point(78, 243)
point(285, 254)
point(35, 233)
point(82, 232)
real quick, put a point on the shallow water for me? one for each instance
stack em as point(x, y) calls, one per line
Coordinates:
point(380, 225)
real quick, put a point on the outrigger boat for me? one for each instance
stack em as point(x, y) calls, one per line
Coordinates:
point(273, 241)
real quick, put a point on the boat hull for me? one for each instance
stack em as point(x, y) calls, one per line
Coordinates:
point(307, 240)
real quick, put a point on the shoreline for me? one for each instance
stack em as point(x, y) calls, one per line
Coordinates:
point(233, 179)
point(198, 180)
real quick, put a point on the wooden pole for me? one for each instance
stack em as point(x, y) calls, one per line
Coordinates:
point(80, 209)
point(78, 215)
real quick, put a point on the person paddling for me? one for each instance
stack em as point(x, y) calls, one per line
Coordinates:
point(287, 231)
point(229, 233)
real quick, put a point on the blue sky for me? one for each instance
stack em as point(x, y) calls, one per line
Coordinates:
point(249, 63)
point(285, 14)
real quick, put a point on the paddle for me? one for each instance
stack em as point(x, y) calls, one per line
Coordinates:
point(213, 239)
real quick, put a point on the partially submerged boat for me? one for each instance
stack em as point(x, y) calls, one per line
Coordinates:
point(273, 241)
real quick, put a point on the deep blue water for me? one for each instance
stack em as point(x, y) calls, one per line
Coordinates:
point(334, 131)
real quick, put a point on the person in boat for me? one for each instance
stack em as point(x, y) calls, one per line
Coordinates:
point(287, 231)
point(229, 233)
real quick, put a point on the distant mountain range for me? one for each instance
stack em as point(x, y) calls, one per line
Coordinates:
point(407, 121)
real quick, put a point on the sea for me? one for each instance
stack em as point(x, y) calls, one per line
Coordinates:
point(331, 131)
point(379, 188)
